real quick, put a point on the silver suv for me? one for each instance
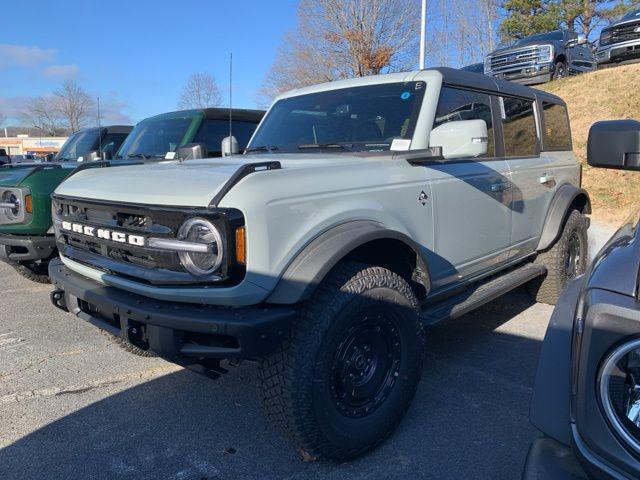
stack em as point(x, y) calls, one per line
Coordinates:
point(361, 211)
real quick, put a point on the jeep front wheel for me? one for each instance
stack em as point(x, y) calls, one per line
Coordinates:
point(35, 271)
point(347, 375)
point(565, 260)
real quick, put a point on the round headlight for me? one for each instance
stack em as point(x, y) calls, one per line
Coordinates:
point(10, 197)
point(199, 230)
point(620, 392)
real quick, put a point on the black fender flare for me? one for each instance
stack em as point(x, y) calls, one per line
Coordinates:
point(564, 198)
point(309, 267)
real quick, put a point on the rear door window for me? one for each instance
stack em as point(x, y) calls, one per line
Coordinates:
point(457, 104)
point(519, 127)
point(557, 133)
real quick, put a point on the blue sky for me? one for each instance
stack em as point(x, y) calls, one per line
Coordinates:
point(137, 54)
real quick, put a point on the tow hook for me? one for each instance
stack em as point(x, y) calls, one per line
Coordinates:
point(58, 300)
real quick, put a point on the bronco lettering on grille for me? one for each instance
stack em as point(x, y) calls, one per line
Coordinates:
point(103, 233)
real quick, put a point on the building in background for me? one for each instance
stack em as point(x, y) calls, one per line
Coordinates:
point(23, 145)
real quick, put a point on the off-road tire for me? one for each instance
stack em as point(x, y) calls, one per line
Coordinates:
point(547, 288)
point(296, 382)
point(559, 71)
point(38, 273)
point(129, 347)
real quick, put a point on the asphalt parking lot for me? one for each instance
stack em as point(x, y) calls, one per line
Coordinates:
point(75, 405)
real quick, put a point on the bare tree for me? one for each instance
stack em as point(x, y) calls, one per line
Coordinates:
point(467, 29)
point(74, 105)
point(200, 91)
point(42, 114)
point(345, 38)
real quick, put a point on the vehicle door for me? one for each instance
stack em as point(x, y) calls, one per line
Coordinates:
point(471, 197)
point(531, 176)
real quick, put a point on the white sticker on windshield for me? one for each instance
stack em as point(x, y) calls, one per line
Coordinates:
point(400, 144)
point(170, 155)
point(503, 112)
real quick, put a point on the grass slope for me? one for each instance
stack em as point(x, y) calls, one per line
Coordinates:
point(607, 94)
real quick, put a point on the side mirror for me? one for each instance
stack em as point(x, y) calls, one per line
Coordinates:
point(614, 144)
point(49, 157)
point(461, 138)
point(106, 155)
point(229, 146)
point(191, 151)
point(582, 39)
point(91, 156)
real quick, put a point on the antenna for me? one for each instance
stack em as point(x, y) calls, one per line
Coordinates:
point(100, 140)
point(230, 103)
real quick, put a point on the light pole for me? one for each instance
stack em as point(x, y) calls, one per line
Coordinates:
point(423, 32)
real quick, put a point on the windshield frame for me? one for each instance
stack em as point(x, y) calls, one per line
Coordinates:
point(542, 37)
point(256, 145)
point(73, 140)
point(631, 15)
point(197, 116)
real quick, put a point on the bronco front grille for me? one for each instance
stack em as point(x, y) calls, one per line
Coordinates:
point(141, 263)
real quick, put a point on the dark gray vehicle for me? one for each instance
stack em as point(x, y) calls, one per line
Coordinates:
point(586, 398)
point(541, 58)
point(620, 41)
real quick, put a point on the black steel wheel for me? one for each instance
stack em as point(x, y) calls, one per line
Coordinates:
point(346, 377)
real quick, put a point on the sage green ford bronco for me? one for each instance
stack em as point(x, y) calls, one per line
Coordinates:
point(361, 211)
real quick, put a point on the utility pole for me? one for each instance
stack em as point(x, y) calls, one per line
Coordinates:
point(423, 32)
point(99, 120)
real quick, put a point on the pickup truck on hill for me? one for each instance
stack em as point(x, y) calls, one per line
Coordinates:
point(541, 58)
point(362, 210)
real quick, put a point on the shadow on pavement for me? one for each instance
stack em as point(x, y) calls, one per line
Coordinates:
point(469, 420)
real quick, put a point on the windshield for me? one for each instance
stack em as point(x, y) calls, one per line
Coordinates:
point(632, 15)
point(155, 136)
point(366, 118)
point(78, 145)
point(555, 35)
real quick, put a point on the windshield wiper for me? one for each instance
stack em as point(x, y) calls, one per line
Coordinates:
point(262, 148)
point(139, 155)
point(325, 145)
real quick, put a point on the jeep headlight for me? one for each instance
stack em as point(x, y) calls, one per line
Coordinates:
point(205, 258)
point(620, 392)
point(487, 64)
point(15, 204)
point(545, 54)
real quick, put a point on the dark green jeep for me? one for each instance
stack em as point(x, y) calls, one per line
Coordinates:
point(26, 235)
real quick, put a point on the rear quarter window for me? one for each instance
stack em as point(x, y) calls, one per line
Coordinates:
point(519, 127)
point(557, 133)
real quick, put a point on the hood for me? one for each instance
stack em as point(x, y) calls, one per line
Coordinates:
point(193, 183)
point(12, 176)
point(523, 45)
point(622, 22)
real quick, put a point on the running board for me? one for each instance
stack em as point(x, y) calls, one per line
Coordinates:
point(479, 294)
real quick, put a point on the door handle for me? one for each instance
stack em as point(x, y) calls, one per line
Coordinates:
point(499, 187)
point(546, 179)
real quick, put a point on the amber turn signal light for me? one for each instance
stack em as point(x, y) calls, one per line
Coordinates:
point(241, 248)
point(28, 204)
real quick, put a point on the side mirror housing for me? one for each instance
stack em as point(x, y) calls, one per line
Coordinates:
point(461, 138)
point(106, 155)
point(49, 157)
point(229, 146)
point(582, 39)
point(192, 151)
point(92, 156)
point(614, 144)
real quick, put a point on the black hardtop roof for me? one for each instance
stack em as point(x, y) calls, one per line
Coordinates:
point(462, 78)
point(240, 114)
point(110, 129)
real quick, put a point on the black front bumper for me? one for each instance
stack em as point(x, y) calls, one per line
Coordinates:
point(23, 248)
point(551, 460)
point(179, 332)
